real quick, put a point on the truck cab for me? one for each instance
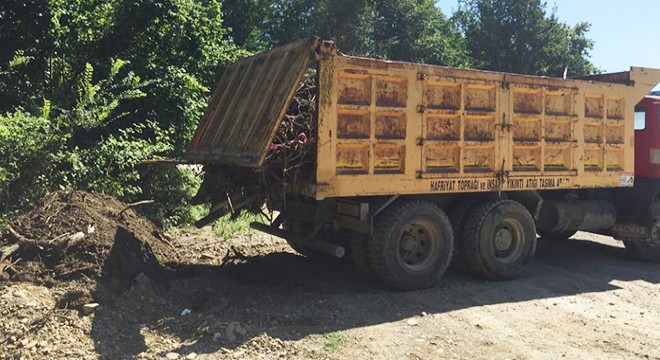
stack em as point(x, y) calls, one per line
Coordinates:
point(647, 137)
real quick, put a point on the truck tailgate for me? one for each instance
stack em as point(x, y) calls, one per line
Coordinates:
point(248, 105)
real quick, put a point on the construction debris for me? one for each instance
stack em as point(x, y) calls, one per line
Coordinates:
point(290, 159)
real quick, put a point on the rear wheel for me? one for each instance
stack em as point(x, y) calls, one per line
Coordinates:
point(457, 217)
point(556, 235)
point(646, 249)
point(499, 239)
point(412, 245)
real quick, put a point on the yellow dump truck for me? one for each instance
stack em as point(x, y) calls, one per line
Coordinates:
point(414, 166)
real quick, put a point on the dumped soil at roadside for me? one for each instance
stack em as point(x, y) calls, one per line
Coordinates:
point(80, 235)
point(251, 297)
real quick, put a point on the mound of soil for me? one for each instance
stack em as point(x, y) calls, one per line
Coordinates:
point(77, 234)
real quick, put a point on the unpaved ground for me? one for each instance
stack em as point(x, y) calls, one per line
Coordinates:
point(251, 297)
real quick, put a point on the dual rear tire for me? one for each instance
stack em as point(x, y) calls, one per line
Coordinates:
point(498, 239)
point(413, 243)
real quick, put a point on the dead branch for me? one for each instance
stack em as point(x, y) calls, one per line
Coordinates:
point(5, 251)
point(167, 240)
point(59, 237)
point(69, 272)
point(22, 240)
point(132, 205)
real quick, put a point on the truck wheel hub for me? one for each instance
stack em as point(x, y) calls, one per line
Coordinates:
point(416, 246)
point(408, 242)
point(503, 239)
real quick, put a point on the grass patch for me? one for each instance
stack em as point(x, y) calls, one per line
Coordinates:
point(333, 340)
point(226, 228)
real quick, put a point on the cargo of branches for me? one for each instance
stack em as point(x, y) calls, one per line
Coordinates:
point(405, 168)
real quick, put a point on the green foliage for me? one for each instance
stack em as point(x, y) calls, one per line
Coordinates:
point(409, 30)
point(415, 30)
point(27, 167)
point(333, 340)
point(174, 186)
point(39, 151)
point(519, 36)
point(91, 88)
point(226, 227)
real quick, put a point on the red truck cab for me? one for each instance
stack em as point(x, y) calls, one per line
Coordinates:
point(647, 137)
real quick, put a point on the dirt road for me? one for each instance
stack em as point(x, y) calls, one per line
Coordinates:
point(583, 298)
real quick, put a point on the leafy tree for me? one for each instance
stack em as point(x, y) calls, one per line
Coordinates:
point(90, 88)
point(408, 30)
point(520, 36)
point(415, 30)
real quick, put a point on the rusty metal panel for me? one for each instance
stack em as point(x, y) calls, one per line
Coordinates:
point(248, 105)
point(371, 122)
point(353, 158)
point(400, 128)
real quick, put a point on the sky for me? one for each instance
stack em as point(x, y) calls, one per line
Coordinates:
point(625, 32)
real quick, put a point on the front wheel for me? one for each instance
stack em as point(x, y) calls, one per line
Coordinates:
point(412, 245)
point(499, 239)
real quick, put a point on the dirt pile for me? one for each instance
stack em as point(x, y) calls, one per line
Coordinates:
point(74, 235)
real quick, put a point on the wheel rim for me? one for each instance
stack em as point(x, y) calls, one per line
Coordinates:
point(418, 245)
point(508, 240)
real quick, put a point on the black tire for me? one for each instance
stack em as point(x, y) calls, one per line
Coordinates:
point(358, 253)
point(412, 245)
point(646, 249)
point(499, 239)
point(457, 217)
point(555, 236)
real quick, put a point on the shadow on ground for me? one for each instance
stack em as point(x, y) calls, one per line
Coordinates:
point(290, 297)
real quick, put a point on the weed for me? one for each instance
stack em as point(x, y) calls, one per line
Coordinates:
point(226, 228)
point(333, 340)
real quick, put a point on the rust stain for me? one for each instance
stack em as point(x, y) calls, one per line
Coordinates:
point(389, 158)
point(352, 158)
point(443, 97)
point(443, 128)
point(353, 125)
point(527, 102)
point(442, 159)
point(615, 108)
point(391, 126)
point(391, 93)
point(593, 107)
